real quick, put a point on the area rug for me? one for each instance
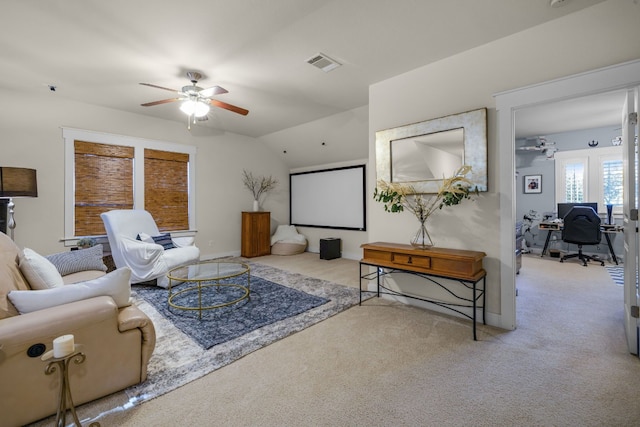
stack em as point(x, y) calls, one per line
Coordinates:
point(178, 359)
point(268, 303)
point(617, 274)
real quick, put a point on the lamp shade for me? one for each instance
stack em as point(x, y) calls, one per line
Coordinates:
point(18, 182)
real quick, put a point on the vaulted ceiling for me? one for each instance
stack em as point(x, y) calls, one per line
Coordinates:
point(97, 51)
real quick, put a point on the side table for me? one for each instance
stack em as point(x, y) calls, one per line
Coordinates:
point(65, 401)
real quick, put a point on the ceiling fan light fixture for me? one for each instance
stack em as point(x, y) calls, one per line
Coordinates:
point(195, 108)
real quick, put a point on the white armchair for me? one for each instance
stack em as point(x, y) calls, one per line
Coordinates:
point(147, 261)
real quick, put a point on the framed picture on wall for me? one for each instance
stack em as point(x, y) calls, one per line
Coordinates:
point(532, 184)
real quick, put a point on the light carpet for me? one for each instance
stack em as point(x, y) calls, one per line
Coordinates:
point(178, 359)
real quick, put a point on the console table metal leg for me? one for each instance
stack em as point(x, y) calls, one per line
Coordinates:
point(475, 306)
point(484, 299)
point(360, 284)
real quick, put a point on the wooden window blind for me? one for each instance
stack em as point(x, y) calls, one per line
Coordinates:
point(166, 188)
point(103, 182)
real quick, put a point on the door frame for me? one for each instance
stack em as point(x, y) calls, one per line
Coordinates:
point(615, 77)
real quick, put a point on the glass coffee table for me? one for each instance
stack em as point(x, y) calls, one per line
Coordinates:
point(203, 278)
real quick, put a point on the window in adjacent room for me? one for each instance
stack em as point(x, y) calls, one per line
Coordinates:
point(106, 172)
point(593, 175)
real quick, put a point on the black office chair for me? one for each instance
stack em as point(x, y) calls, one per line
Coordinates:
point(582, 227)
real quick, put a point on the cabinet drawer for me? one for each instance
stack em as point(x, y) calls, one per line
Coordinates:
point(414, 260)
point(377, 255)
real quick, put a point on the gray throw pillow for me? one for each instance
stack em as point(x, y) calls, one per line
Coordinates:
point(80, 260)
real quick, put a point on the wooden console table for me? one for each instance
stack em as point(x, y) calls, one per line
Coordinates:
point(432, 264)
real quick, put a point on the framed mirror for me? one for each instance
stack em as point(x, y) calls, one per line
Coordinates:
point(422, 154)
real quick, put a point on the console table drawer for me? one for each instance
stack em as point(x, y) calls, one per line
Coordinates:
point(378, 255)
point(412, 260)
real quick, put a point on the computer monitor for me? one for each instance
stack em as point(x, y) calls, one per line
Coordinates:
point(564, 208)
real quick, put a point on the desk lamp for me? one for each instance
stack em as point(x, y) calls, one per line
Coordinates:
point(16, 182)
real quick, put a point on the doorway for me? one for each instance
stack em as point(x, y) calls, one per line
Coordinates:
point(507, 104)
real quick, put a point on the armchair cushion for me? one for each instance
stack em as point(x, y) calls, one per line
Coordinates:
point(39, 271)
point(115, 284)
point(81, 260)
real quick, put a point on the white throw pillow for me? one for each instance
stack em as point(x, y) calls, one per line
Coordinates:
point(39, 271)
point(115, 284)
point(144, 237)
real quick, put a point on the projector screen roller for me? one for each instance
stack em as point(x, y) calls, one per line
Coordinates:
point(329, 198)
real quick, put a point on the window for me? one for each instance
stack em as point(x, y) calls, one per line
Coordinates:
point(612, 179)
point(574, 181)
point(103, 181)
point(166, 189)
point(105, 172)
point(594, 175)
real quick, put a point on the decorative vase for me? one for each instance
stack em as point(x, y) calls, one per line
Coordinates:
point(256, 206)
point(609, 214)
point(422, 239)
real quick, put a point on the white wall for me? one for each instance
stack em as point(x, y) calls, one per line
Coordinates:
point(338, 132)
point(607, 31)
point(34, 140)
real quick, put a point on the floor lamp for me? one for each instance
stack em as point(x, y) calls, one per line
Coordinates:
point(16, 182)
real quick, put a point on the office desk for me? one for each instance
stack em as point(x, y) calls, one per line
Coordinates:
point(557, 226)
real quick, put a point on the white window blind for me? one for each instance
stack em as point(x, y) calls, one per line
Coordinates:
point(593, 175)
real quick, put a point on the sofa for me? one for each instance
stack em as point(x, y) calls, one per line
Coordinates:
point(117, 338)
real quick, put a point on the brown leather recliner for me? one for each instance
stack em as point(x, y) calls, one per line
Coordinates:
point(117, 342)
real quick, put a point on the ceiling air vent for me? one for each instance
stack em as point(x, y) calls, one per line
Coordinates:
point(322, 61)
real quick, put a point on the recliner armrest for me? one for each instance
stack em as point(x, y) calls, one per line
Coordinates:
point(132, 317)
point(47, 324)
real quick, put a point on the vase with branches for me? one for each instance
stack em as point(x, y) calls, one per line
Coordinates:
point(258, 185)
point(398, 197)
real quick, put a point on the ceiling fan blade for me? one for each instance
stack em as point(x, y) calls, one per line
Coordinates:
point(164, 101)
point(228, 107)
point(160, 87)
point(213, 90)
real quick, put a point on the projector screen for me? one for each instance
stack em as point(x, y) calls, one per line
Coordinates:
point(329, 198)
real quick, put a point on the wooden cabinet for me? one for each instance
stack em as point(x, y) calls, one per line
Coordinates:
point(256, 234)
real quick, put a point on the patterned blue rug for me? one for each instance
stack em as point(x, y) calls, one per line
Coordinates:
point(268, 303)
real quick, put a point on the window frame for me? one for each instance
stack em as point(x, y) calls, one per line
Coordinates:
point(70, 135)
point(592, 159)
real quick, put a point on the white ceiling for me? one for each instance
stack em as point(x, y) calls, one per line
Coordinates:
point(581, 113)
point(98, 51)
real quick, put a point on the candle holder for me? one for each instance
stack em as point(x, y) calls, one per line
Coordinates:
point(65, 400)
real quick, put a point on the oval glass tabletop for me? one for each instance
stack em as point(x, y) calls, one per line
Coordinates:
point(208, 270)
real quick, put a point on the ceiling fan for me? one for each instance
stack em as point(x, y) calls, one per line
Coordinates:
point(540, 144)
point(196, 101)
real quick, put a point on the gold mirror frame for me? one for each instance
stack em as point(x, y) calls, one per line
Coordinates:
point(474, 124)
